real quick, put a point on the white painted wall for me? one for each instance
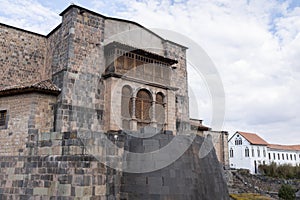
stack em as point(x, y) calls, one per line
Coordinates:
point(239, 159)
point(284, 157)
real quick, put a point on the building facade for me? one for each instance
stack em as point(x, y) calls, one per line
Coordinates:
point(248, 151)
point(93, 81)
point(93, 73)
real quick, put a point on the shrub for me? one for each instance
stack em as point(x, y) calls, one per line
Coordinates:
point(280, 171)
point(286, 192)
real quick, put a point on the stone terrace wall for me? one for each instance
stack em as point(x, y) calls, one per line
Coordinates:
point(63, 169)
point(189, 177)
point(60, 169)
point(22, 56)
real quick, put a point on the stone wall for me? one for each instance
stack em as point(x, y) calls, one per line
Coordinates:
point(82, 63)
point(62, 168)
point(220, 141)
point(22, 56)
point(179, 80)
point(28, 114)
point(189, 177)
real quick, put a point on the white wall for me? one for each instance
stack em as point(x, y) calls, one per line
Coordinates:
point(239, 159)
point(285, 160)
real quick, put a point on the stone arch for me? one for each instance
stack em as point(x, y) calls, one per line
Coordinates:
point(143, 104)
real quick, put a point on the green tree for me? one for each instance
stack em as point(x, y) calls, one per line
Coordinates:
point(286, 192)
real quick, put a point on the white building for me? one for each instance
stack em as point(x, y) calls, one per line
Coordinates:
point(248, 151)
point(284, 154)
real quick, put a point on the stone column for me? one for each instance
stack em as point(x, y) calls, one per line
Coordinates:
point(152, 111)
point(133, 122)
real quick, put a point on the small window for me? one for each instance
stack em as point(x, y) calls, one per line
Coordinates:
point(3, 119)
point(264, 152)
point(238, 141)
point(278, 155)
point(246, 152)
point(294, 156)
point(291, 156)
point(274, 156)
point(287, 156)
point(231, 153)
point(269, 156)
point(258, 152)
point(252, 152)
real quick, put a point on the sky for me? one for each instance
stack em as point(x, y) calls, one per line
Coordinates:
point(254, 45)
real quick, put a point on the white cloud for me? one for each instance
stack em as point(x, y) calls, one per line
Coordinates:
point(30, 15)
point(255, 45)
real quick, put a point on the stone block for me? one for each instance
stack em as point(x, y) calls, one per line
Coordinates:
point(100, 190)
point(64, 190)
point(40, 191)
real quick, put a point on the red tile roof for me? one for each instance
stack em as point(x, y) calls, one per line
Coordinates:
point(284, 147)
point(46, 86)
point(253, 138)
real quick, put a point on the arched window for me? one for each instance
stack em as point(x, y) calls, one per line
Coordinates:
point(231, 153)
point(264, 152)
point(126, 104)
point(159, 109)
point(258, 152)
point(143, 105)
point(252, 152)
point(247, 152)
point(238, 140)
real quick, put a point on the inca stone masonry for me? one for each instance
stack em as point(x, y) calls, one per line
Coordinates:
point(94, 81)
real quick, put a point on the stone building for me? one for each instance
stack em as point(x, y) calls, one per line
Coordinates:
point(81, 64)
point(92, 74)
point(219, 140)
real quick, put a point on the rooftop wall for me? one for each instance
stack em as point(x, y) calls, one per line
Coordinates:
point(22, 56)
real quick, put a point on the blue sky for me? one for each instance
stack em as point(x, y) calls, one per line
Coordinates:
point(255, 45)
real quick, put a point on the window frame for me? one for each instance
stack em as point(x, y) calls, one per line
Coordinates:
point(231, 154)
point(3, 113)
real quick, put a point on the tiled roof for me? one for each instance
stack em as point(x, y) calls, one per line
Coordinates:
point(253, 138)
point(284, 147)
point(46, 86)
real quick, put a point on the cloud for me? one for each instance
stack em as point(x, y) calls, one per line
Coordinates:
point(30, 15)
point(255, 45)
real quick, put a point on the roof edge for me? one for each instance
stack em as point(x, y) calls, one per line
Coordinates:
point(118, 19)
point(13, 92)
point(23, 30)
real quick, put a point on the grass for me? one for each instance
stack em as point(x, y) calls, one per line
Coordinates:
point(249, 196)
